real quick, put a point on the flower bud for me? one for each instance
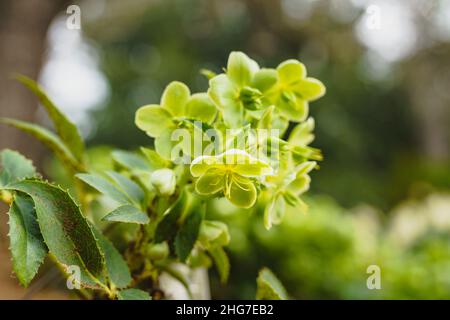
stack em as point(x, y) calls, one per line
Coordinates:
point(163, 180)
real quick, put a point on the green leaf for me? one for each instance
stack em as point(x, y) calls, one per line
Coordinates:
point(189, 231)
point(67, 130)
point(168, 225)
point(155, 160)
point(14, 167)
point(175, 97)
point(47, 137)
point(221, 261)
point(241, 68)
point(117, 268)
point(105, 187)
point(127, 213)
point(269, 287)
point(130, 160)
point(153, 119)
point(27, 246)
point(133, 294)
point(200, 107)
point(131, 188)
point(65, 230)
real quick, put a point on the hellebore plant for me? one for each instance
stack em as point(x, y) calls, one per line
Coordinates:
point(230, 142)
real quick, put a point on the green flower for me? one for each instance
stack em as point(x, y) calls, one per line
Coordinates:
point(176, 108)
point(231, 173)
point(241, 88)
point(294, 90)
point(285, 189)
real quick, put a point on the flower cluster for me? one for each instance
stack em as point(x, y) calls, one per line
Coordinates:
point(243, 165)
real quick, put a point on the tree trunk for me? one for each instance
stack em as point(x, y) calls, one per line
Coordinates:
point(23, 29)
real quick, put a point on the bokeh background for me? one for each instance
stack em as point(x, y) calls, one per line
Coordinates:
point(382, 195)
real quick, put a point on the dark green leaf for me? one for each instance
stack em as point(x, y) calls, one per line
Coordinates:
point(52, 141)
point(105, 187)
point(67, 130)
point(133, 294)
point(14, 167)
point(127, 213)
point(118, 272)
point(189, 230)
point(269, 287)
point(27, 247)
point(221, 261)
point(65, 230)
point(168, 226)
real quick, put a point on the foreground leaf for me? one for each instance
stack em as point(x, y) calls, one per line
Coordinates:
point(133, 294)
point(65, 230)
point(128, 214)
point(67, 130)
point(221, 261)
point(27, 247)
point(189, 231)
point(118, 272)
point(131, 188)
point(105, 187)
point(269, 287)
point(14, 167)
point(52, 141)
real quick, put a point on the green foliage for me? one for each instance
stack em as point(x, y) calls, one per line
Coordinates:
point(269, 287)
point(141, 212)
point(133, 294)
point(28, 249)
point(65, 230)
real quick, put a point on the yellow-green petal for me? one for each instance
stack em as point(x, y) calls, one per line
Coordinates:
point(175, 97)
point(202, 164)
point(274, 212)
point(153, 119)
point(291, 71)
point(240, 68)
point(200, 107)
point(309, 89)
point(242, 192)
point(211, 182)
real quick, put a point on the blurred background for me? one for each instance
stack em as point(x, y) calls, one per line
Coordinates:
point(382, 195)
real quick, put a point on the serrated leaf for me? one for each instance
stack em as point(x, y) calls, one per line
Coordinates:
point(105, 187)
point(130, 160)
point(117, 268)
point(221, 262)
point(269, 287)
point(168, 225)
point(133, 294)
point(131, 188)
point(52, 141)
point(189, 231)
point(27, 246)
point(14, 167)
point(65, 230)
point(66, 129)
point(127, 213)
